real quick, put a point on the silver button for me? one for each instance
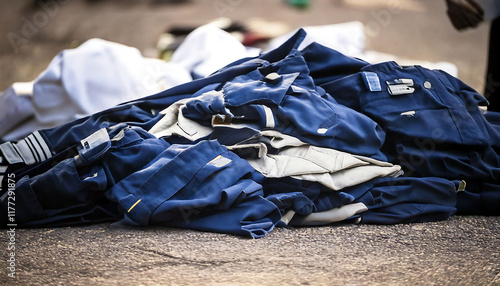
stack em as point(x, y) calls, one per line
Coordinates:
point(427, 84)
point(273, 78)
point(408, 113)
point(322, 130)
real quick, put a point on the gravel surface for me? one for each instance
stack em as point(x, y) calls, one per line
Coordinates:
point(460, 251)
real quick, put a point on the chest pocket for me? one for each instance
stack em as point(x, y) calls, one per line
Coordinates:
point(255, 88)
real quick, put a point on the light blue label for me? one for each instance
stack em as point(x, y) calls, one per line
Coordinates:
point(372, 81)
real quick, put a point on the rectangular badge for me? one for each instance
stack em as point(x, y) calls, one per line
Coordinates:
point(372, 81)
point(95, 139)
point(405, 81)
point(400, 89)
point(400, 86)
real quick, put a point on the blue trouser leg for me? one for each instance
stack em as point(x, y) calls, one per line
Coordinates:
point(207, 186)
point(400, 200)
point(72, 190)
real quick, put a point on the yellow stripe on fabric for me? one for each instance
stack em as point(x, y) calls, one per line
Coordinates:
point(134, 205)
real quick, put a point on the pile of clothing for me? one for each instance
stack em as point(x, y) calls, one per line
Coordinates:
point(294, 136)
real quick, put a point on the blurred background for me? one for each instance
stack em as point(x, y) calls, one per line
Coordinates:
point(33, 32)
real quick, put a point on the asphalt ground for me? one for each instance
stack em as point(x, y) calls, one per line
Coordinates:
point(460, 251)
point(464, 250)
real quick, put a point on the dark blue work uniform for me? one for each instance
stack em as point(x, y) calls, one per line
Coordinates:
point(93, 169)
point(433, 127)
